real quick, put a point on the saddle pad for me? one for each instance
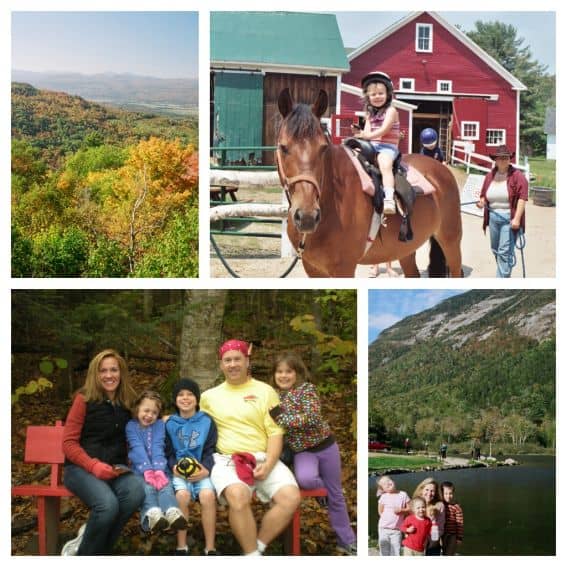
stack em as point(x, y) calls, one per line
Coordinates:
point(415, 178)
point(418, 181)
point(365, 181)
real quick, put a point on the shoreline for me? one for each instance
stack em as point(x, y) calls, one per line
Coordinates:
point(449, 463)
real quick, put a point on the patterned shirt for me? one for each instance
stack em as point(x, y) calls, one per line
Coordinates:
point(301, 418)
point(454, 520)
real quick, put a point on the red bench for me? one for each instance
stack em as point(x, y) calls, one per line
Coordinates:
point(44, 446)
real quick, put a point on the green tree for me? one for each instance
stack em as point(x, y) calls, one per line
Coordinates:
point(60, 252)
point(501, 42)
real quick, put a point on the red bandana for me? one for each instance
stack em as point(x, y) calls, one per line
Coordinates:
point(233, 344)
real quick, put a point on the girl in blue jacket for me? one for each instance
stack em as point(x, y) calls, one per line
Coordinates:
point(146, 451)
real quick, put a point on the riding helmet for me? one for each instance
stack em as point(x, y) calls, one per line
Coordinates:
point(379, 77)
point(428, 137)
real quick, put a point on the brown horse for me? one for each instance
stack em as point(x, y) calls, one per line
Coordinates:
point(329, 215)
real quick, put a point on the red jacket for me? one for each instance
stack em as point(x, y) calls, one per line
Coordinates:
point(517, 189)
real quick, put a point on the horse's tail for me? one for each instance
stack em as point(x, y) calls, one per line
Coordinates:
point(437, 266)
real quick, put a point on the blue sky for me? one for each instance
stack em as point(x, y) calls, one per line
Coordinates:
point(156, 44)
point(387, 307)
point(537, 28)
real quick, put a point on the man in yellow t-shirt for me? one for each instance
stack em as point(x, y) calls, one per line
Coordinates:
point(240, 408)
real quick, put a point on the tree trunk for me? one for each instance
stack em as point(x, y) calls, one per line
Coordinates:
point(201, 335)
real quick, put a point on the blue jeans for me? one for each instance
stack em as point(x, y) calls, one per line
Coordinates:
point(502, 242)
point(111, 504)
point(163, 499)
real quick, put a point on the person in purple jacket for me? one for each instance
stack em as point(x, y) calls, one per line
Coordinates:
point(317, 461)
point(146, 452)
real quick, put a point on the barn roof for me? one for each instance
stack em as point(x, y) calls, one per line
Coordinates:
point(462, 37)
point(277, 39)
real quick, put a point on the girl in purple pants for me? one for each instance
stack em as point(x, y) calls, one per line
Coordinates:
point(317, 462)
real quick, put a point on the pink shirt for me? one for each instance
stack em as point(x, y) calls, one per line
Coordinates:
point(390, 502)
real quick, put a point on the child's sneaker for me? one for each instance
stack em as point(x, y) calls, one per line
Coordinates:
point(175, 519)
point(72, 546)
point(210, 552)
point(181, 551)
point(349, 549)
point(156, 520)
point(389, 207)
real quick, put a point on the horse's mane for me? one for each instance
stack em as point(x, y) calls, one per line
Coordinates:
point(301, 123)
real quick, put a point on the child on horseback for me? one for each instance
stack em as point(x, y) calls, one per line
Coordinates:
point(382, 129)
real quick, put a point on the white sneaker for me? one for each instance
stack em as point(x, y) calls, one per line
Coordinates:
point(72, 546)
point(389, 207)
point(175, 519)
point(156, 520)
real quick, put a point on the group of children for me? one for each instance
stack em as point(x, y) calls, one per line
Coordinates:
point(174, 454)
point(409, 526)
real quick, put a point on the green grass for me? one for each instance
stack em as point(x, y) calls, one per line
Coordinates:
point(387, 462)
point(544, 172)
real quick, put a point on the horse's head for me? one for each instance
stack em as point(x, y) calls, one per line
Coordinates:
point(301, 146)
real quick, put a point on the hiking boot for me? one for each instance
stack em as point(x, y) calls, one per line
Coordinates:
point(349, 549)
point(389, 207)
point(175, 519)
point(156, 520)
point(72, 546)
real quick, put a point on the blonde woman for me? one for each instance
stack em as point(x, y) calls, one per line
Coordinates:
point(96, 455)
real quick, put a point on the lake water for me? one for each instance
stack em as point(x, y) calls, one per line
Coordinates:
point(507, 510)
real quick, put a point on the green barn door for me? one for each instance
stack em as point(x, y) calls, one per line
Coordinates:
point(238, 113)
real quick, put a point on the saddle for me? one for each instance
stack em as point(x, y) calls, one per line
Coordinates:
point(405, 193)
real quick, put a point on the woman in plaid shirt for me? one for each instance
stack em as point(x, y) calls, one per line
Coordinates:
point(317, 462)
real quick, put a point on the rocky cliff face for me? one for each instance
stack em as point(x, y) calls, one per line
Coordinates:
point(476, 351)
point(475, 317)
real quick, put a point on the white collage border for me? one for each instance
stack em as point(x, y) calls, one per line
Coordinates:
point(205, 282)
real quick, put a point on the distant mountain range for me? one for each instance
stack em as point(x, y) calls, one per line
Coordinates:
point(481, 350)
point(132, 92)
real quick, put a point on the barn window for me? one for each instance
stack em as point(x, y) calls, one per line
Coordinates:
point(407, 84)
point(469, 130)
point(444, 86)
point(424, 37)
point(495, 137)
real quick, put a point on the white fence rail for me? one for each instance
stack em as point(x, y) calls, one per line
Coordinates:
point(463, 153)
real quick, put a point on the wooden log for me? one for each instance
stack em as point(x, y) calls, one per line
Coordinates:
point(247, 210)
point(244, 178)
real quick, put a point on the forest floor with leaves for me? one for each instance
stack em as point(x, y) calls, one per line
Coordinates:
point(317, 537)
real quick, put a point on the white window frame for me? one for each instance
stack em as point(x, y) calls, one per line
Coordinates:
point(442, 82)
point(429, 48)
point(476, 126)
point(499, 143)
point(411, 88)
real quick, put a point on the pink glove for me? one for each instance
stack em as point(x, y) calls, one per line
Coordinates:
point(103, 471)
point(149, 477)
point(160, 479)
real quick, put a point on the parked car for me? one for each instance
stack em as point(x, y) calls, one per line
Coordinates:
point(378, 446)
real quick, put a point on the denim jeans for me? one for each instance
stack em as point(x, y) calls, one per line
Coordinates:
point(111, 504)
point(390, 541)
point(502, 242)
point(163, 499)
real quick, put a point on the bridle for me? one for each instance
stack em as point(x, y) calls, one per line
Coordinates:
point(289, 182)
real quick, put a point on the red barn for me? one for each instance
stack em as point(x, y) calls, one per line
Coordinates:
point(458, 88)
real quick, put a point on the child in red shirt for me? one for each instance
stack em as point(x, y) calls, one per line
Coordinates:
point(417, 527)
